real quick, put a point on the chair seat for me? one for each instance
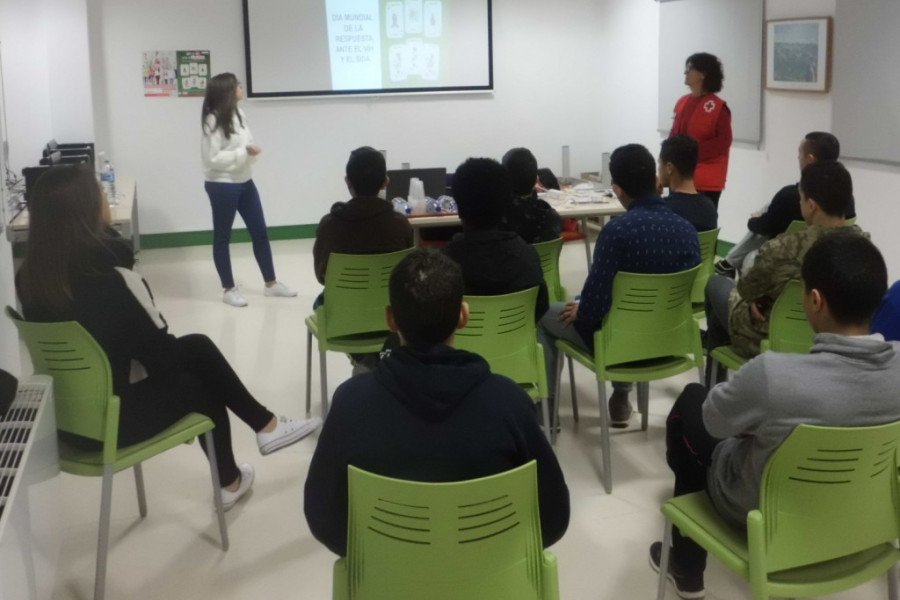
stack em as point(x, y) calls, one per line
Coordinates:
point(695, 516)
point(728, 357)
point(638, 371)
point(90, 463)
point(370, 342)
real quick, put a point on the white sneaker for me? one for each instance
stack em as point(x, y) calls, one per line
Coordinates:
point(234, 297)
point(279, 289)
point(230, 498)
point(287, 431)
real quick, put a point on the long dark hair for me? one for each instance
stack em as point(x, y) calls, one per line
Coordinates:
point(66, 229)
point(221, 102)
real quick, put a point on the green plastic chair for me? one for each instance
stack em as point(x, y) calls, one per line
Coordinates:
point(829, 510)
point(467, 540)
point(352, 318)
point(789, 330)
point(708, 241)
point(649, 333)
point(549, 255)
point(86, 406)
point(501, 329)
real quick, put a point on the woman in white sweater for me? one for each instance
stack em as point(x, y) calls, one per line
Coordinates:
point(228, 153)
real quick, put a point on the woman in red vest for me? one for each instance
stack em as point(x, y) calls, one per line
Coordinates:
point(705, 117)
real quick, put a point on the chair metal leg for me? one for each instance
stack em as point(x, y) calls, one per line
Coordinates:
point(323, 376)
point(643, 395)
point(548, 427)
point(892, 583)
point(308, 371)
point(604, 438)
point(139, 484)
point(572, 387)
point(103, 536)
point(217, 489)
point(664, 561)
point(555, 422)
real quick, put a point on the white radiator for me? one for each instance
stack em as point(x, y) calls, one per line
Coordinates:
point(30, 521)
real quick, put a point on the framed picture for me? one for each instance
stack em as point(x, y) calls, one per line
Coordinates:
point(798, 54)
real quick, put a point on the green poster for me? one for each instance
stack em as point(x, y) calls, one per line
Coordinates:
point(193, 72)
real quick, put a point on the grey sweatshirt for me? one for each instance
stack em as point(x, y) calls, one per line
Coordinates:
point(843, 382)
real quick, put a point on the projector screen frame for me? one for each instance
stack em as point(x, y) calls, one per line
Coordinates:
point(475, 89)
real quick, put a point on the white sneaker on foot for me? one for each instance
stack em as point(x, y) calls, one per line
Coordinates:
point(234, 297)
point(230, 498)
point(287, 431)
point(279, 289)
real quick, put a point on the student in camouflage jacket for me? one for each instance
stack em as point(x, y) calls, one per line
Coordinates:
point(739, 314)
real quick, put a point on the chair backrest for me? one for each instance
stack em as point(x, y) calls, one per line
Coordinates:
point(501, 330)
point(827, 492)
point(796, 226)
point(82, 379)
point(708, 241)
point(470, 539)
point(650, 317)
point(549, 255)
point(789, 329)
point(356, 293)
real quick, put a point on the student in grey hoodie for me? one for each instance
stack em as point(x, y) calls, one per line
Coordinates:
point(720, 441)
point(428, 412)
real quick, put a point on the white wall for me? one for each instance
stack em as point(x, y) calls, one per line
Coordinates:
point(68, 70)
point(552, 70)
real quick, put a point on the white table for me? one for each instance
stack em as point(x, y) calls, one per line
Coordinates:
point(567, 210)
point(124, 215)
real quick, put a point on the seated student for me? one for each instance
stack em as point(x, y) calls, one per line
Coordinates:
point(782, 210)
point(649, 238)
point(720, 441)
point(365, 224)
point(677, 162)
point(529, 216)
point(428, 412)
point(75, 271)
point(887, 319)
point(739, 314)
point(493, 262)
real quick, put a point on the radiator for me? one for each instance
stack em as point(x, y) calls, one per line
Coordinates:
point(30, 521)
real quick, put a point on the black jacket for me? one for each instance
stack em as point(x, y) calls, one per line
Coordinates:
point(435, 416)
point(498, 262)
point(533, 219)
point(696, 209)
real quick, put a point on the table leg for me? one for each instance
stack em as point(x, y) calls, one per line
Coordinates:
point(587, 241)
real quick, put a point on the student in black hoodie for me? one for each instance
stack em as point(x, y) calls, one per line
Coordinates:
point(529, 216)
point(428, 412)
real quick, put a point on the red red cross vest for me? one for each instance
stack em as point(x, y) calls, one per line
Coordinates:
point(701, 125)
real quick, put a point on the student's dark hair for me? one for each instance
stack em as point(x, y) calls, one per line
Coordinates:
point(711, 67)
point(548, 179)
point(426, 292)
point(523, 170)
point(366, 171)
point(221, 101)
point(849, 271)
point(65, 231)
point(830, 185)
point(633, 169)
point(482, 191)
point(682, 151)
point(822, 145)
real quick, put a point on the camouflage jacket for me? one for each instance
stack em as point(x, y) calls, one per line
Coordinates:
point(778, 262)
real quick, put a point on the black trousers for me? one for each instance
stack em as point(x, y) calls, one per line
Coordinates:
point(689, 451)
point(204, 384)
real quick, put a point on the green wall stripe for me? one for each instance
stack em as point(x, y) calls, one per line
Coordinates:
point(205, 238)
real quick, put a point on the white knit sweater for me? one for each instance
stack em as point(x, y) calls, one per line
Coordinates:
point(227, 160)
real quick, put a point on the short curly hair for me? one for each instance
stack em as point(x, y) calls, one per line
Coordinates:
point(711, 67)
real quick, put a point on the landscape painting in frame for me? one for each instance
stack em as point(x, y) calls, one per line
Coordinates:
point(798, 54)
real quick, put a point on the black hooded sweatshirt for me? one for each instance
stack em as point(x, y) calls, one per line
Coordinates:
point(434, 416)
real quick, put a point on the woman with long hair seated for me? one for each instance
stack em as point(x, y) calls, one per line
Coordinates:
point(77, 268)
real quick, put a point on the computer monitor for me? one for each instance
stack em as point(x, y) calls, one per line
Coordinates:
point(433, 180)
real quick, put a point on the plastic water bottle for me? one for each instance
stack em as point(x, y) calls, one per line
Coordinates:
point(108, 181)
point(446, 204)
point(432, 206)
point(401, 206)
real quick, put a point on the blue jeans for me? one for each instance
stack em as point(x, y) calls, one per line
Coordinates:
point(227, 199)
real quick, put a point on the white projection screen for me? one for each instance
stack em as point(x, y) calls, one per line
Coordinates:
point(346, 47)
